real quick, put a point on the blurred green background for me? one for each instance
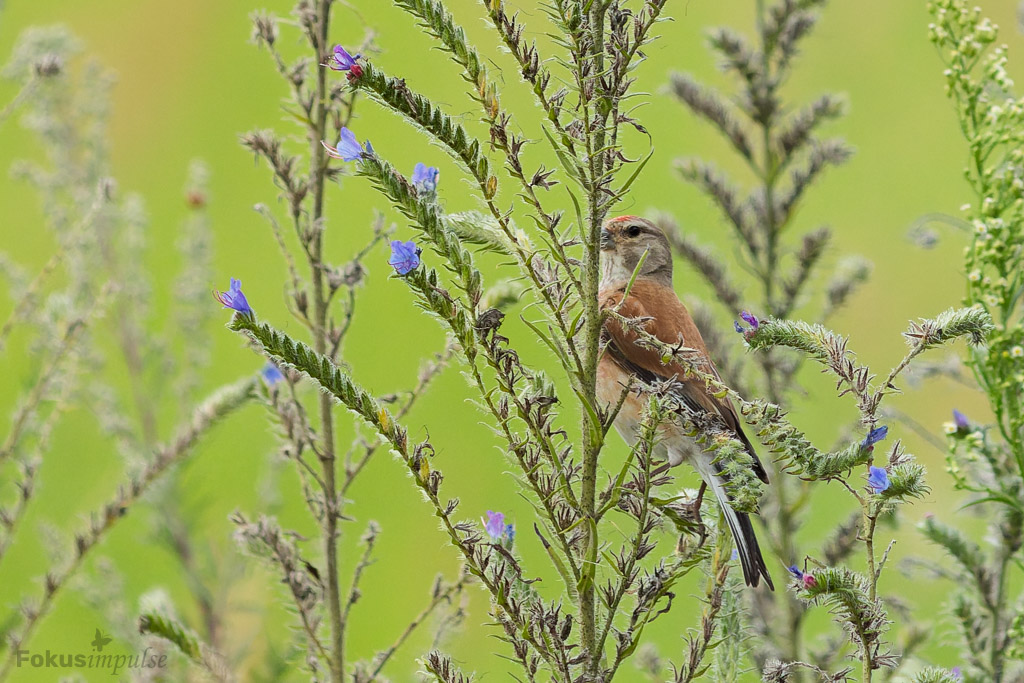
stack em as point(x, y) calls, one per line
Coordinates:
point(189, 82)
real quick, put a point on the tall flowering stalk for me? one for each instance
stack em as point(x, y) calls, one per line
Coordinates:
point(316, 289)
point(987, 460)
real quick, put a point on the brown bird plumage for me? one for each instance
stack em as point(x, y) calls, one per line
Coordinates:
point(624, 241)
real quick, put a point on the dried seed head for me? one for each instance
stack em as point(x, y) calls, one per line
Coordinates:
point(264, 29)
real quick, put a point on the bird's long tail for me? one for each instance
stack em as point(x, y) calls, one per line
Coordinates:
point(739, 524)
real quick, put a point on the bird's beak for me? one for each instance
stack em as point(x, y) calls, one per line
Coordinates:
point(607, 243)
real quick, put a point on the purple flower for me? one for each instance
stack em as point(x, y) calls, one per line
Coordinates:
point(341, 60)
point(809, 581)
point(878, 479)
point(271, 374)
point(957, 674)
point(795, 571)
point(405, 257)
point(735, 555)
point(502, 533)
point(495, 525)
point(234, 299)
point(874, 436)
point(425, 178)
point(961, 421)
point(348, 148)
point(751, 320)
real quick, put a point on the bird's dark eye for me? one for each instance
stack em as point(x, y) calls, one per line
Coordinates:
point(633, 231)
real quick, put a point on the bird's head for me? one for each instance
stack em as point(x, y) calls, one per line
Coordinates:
point(625, 240)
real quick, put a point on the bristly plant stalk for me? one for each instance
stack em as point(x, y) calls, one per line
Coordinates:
point(758, 222)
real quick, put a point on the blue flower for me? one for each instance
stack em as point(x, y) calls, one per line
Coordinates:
point(234, 299)
point(961, 421)
point(348, 148)
point(341, 60)
point(878, 479)
point(736, 326)
point(271, 374)
point(425, 178)
point(510, 533)
point(405, 257)
point(874, 436)
point(795, 571)
point(735, 555)
point(750, 319)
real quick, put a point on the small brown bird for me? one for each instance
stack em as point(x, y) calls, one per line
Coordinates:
point(624, 240)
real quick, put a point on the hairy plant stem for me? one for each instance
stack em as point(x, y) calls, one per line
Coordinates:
point(326, 453)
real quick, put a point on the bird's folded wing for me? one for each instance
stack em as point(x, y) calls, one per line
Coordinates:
point(646, 363)
point(672, 325)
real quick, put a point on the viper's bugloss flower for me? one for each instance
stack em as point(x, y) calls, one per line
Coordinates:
point(805, 578)
point(341, 60)
point(878, 479)
point(961, 421)
point(234, 299)
point(957, 673)
point(751, 320)
point(405, 256)
point(735, 555)
point(874, 436)
point(271, 374)
point(348, 148)
point(425, 178)
point(502, 533)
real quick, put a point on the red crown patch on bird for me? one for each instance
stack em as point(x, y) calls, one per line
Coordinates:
point(620, 219)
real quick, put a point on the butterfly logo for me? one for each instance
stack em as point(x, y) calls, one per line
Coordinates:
point(100, 641)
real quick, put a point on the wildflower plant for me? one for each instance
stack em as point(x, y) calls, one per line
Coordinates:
point(987, 460)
